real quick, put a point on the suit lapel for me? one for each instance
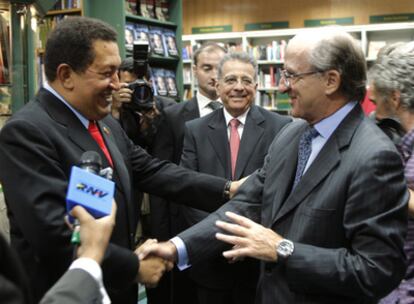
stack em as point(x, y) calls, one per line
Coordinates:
point(252, 133)
point(191, 110)
point(217, 135)
point(326, 161)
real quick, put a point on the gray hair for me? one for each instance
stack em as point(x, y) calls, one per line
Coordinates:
point(395, 73)
point(341, 52)
point(237, 56)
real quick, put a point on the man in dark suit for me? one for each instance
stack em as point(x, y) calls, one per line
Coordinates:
point(208, 149)
point(166, 218)
point(331, 198)
point(40, 144)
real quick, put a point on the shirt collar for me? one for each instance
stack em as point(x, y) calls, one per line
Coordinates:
point(82, 118)
point(328, 125)
point(241, 118)
point(203, 101)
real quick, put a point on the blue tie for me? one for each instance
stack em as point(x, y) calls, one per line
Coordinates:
point(305, 149)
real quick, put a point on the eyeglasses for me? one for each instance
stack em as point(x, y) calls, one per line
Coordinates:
point(289, 77)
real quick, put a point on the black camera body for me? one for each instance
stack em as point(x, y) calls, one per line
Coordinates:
point(142, 93)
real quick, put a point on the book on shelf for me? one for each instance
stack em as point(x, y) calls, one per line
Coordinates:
point(151, 8)
point(66, 4)
point(129, 36)
point(142, 8)
point(131, 7)
point(4, 51)
point(158, 82)
point(169, 76)
point(156, 40)
point(188, 94)
point(187, 52)
point(274, 50)
point(187, 74)
point(374, 47)
point(170, 43)
point(161, 10)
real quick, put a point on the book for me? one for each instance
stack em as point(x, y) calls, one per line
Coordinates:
point(169, 77)
point(131, 7)
point(156, 41)
point(170, 43)
point(151, 8)
point(158, 82)
point(161, 10)
point(129, 35)
point(142, 8)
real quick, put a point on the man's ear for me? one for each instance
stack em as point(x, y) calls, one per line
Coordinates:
point(64, 75)
point(395, 99)
point(332, 81)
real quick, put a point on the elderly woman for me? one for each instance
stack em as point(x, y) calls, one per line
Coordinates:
point(392, 87)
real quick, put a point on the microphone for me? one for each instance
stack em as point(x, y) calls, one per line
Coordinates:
point(88, 189)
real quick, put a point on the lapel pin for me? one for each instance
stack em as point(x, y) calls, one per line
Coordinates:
point(105, 129)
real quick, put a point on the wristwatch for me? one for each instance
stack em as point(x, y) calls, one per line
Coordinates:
point(284, 249)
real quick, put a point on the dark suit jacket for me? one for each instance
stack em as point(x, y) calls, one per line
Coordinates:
point(206, 149)
point(347, 217)
point(76, 286)
point(166, 220)
point(38, 147)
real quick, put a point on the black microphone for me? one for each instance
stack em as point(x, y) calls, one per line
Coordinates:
point(91, 161)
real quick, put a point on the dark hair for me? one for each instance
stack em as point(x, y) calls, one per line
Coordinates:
point(71, 42)
point(341, 52)
point(207, 47)
point(127, 65)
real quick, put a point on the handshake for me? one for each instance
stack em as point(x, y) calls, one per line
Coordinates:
point(154, 259)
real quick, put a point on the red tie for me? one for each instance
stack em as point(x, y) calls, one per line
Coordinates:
point(234, 144)
point(96, 134)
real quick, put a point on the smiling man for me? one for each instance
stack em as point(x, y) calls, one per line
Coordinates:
point(232, 143)
point(331, 194)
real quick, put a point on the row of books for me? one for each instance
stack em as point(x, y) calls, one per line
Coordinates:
point(269, 77)
point(156, 9)
point(5, 56)
point(187, 74)
point(273, 101)
point(274, 50)
point(188, 50)
point(161, 40)
point(67, 4)
point(164, 82)
point(45, 26)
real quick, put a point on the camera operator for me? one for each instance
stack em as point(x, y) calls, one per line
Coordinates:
point(139, 119)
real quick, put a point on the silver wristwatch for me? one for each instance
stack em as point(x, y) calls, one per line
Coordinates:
point(284, 249)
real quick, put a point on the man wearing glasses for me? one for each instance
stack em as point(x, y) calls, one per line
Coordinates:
point(331, 193)
point(230, 142)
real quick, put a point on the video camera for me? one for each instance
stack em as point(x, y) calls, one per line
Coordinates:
point(142, 93)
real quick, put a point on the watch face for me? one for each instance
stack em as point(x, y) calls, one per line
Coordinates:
point(285, 248)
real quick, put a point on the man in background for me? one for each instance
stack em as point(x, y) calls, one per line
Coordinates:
point(330, 197)
point(166, 218)
point(232, 143)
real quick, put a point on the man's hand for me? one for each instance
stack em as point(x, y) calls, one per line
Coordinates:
point(248, 238)
point(235, 185)
point(151, 267)
point(124, 94)
point(94, 233)
point(165, 250)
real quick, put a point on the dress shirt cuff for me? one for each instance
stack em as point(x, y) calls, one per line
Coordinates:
point(92, 267)
point(182, 254)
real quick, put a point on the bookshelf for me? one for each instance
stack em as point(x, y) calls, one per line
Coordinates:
point(116, 14)
point(267, 47)
point(5, 61)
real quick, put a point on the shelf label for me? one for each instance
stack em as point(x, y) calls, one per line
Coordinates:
point(212, 29)
point(266, 25)
point(329, 21)
point(391, 18)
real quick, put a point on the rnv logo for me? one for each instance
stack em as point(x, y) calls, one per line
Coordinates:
point(91, 190)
